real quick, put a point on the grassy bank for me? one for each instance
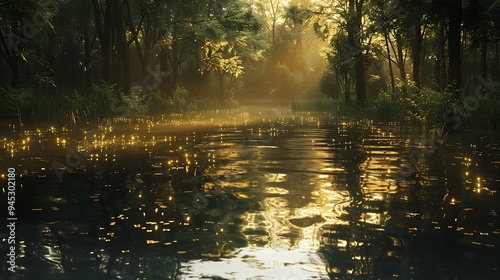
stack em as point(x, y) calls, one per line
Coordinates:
point(25, 105)
point(427, 107)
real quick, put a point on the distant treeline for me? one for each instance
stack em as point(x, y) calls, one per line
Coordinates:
point(157, 50)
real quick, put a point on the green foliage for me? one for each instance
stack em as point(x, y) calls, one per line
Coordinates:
point(284, 81)
point(17, 102)
point(338, 108)
point(488, 114)
point(159, 104)
point(328, 83)
point(24, 105)
point(179, 101)
point(99, 100)
point(63, 108)
point(53, 60)
point(298, 15)
point(320, 104)
point(428, 105)
point(207, 104)
point(135, 104)
point(182, 102)
point(384, 108)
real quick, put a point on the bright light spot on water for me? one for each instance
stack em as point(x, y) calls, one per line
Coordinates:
point(258, 263)
point(371, 218)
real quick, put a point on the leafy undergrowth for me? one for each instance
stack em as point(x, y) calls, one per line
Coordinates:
point(425, 107)
point(24, 105)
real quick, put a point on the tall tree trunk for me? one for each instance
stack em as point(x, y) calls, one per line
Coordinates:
point(123, 54)
point(423, 55)
point(108, 41)
point(351, 53)
point(163, 61)
point(439, 65)
point(148, 46)
point(401, 63)
point(87, 47)
point(360, 80)
point(144, 25)
point(12, 52)
point(15, 55)
point(389, 60)
point(354, 38)
point(15, 68)
point(222, 94)
point(482, 59)
point(495, 70)
point(416, 51)
point(176, 66)
point(174, 60)
point(104, 26)
point(273, 34)
point(347, 92)
point(454, 44)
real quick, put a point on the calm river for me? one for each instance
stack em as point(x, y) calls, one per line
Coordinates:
point(251, 194)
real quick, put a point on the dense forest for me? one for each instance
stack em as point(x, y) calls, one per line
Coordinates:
point(72, 60)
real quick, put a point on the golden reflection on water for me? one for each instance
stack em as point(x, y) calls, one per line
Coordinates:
point(289, 192)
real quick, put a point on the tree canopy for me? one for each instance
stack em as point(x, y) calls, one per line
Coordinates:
point(217, 48)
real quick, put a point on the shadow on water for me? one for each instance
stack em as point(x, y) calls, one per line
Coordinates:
point(252, 195)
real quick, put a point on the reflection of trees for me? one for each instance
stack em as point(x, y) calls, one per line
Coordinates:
point(123, 216)
point(347, 247)
point(374, 241)
point(434, 224)
point(142, 214)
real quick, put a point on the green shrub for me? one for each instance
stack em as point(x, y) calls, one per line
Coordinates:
point(320, 104)
point(328, 83)
point(136, 104)
point(17, 102)
point(385, 108)
point(206, 104)
point(160, 104)
point(99, 101)
point(487, 114)
point(22, 104)
point(179, 102)
point(62, 108)
point(428, 105)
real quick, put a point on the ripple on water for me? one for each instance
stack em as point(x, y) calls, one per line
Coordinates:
point(257, 197)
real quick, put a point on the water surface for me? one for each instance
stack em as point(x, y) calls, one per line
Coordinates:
point(253, 194)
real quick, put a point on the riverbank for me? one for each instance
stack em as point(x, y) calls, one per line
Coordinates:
point(433, 109)
point(23, 105)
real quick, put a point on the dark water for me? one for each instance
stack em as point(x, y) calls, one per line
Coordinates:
point(252, 195)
